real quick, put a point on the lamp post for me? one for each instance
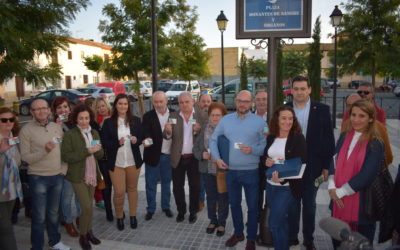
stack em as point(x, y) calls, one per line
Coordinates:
point(222, 21)
point(336, 18)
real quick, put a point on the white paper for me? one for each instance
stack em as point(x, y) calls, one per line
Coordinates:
point(300, 175)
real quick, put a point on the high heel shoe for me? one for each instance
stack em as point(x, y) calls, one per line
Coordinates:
point(133, 222)
point(120, 224)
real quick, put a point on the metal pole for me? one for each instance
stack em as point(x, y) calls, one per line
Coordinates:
point(154, 71)
point(222, 67)
point(272, 63)
point(334, 83)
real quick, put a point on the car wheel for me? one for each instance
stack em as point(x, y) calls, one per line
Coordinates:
point(24, 109)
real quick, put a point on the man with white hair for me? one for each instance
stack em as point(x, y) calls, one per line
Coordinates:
point(182, 128)
point(157, 155)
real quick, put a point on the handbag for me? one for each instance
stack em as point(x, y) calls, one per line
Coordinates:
point(101, 184)
point(377, 194)
point(265, 236)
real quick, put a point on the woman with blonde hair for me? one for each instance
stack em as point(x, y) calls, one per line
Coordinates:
point(359, 156)
point(102, 111)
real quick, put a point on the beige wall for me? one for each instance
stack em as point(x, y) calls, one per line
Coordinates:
point(231, 61)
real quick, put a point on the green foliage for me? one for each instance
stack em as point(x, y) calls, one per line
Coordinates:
point(257, 68)
point(293, 64)
point(94, 63)
point(243, 72)
point(40, 76)
point(279, 76)
point(30, 28)
point(370, 37)
point(314, 61)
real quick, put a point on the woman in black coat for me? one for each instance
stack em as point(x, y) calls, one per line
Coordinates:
point(122, 136)
point(285, 141)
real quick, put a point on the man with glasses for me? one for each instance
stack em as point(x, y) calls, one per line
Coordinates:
point(40, 148)
point(366, 91)
point(316, 125)
point(182, 128)
point(244, 130)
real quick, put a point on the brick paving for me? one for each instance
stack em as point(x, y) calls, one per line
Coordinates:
point(164, 233)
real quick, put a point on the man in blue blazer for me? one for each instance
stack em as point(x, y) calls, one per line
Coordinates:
point(314, 118)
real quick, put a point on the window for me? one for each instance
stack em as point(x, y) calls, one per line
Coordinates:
point(54, 57)
point(85, 79)
point(106, 57)
point(230, 89)
point(83, 54)
point(44, 95)
point(69, 55)
point(105, 91)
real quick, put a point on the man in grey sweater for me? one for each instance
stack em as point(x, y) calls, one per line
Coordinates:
point(40, 147)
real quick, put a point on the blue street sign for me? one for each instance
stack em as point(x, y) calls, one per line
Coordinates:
point(273, 15)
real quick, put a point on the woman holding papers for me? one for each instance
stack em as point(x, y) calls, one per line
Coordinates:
point(216, 189)
point(79, 149)
point(61, 111)
point(10, 184)
point(122, 136)
point(359, 155)
point(285, 141)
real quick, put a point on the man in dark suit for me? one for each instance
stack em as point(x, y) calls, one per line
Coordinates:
point(316, 124)
point(157, 155)
point(183, 128)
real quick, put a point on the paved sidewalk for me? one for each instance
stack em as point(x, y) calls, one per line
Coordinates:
point(164, 233)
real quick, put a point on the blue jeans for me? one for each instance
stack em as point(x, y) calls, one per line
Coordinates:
point(202, 195)
point(248, 179)
point(279, 200)
point(309, 207)
point(213, 197)
point(45, 193)
point(67, 193)
point(154, 173)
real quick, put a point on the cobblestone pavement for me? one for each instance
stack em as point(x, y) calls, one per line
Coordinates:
point(164, 233)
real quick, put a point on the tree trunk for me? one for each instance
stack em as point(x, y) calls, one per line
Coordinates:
point(139, 95)
point(373, 72)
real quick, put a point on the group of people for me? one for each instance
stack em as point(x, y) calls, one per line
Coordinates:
point(78, 150)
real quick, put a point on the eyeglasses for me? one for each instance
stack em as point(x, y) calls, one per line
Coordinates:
point(5, 120)
point(243, 101)
point(39, 109)
point(360, 92)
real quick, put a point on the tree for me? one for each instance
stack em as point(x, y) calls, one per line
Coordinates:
point(369, 37)
point(30, 28)
point(243, 72)
point(94, 63)
point(293, 64)
point(314, 61)
point(257, 68)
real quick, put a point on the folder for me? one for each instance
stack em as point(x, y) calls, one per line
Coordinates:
point(290, 169)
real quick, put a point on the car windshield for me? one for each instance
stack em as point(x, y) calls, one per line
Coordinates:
point(147, 84)
point(178, 87)
point(87, 91)
point(106, 90)
point(75, 91)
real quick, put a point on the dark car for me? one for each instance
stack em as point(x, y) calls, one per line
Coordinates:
point(164, 85)
point(354, 84)
point(74, 97)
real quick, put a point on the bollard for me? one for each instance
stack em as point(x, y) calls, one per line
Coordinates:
point(15, 107)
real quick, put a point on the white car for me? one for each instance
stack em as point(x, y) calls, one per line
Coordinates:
point(106, 93)
point(396, 91)
point(180, 86)
point(145, 89)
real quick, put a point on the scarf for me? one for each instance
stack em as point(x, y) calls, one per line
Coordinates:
point(11, 173)
point(90, 170)
point(212, 169)
point(346, 168)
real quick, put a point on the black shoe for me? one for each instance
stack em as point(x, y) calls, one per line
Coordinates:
point(220, 233)
point(133, 222)
point(211, 230)
point(180, 217)
point(309, 245)
point(294, 242)
point(109, 215)
point(148, 216)
point(92, 239)
point(120, 224)
point(84, 243)
point(192, 218)
point(168, 213)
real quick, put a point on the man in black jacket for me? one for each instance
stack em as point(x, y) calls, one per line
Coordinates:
point(315, 121)
point(157, 155)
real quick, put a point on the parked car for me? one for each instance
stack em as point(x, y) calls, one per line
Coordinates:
point(287, 92)
point(106, 93)
point(331, 82)
point(74, 97)
point(233, 87)
point(180, 86)
point(354, 84)
point(164, 84)
point(396, 91)
point(117, 87)
point(145, 89)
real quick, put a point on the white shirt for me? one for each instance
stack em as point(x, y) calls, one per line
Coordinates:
point(275, 152)
point(124, 154)
point(187, 147)
point(166, 144)
point(264, 116)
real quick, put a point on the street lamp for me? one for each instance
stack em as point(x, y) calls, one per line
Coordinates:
point(336, 18)
point(222, 21)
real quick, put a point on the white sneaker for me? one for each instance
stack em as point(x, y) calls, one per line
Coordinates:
point(60, 246)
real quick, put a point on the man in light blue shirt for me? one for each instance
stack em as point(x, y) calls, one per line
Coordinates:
point(244, 131)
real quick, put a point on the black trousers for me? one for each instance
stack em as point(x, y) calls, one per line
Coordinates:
point(107, 191)
point(190, 167)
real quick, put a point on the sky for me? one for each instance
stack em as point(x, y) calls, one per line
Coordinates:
point(87, 21)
